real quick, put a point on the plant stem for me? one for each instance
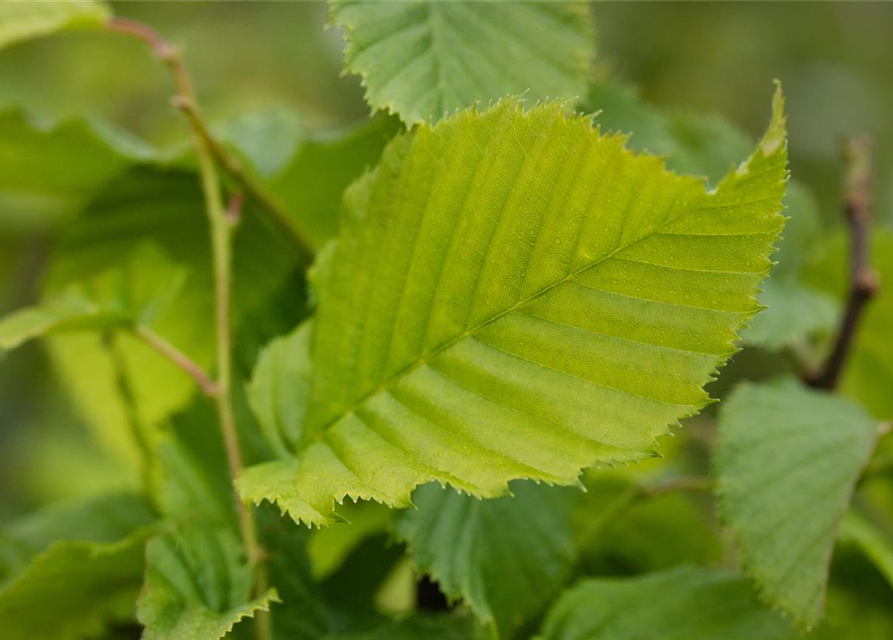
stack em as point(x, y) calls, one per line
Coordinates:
point(221, 227)
point(864, 281)
point(178, 358)
point(246, 181)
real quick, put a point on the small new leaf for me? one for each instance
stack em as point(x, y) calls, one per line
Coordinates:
point(787, 460)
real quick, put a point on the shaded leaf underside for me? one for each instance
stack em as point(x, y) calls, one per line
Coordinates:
point(515, 296)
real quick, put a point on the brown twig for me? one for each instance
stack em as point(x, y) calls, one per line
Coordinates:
point(864, 281)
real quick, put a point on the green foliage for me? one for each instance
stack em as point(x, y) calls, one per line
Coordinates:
point(786, 463)
point(506, 296)
point(86, 559)
point(198, 585)
point(25, 20)
point(686, 603)
point(445, 362)
point(424, 59)
point(465, 544)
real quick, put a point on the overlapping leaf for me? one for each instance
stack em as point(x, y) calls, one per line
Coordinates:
point(25, 20)
point(466, 546)
point(787, 461)
point(198, 585)
point(73, 570)
point(686, 603)
point(423, 59)
point(496, 278)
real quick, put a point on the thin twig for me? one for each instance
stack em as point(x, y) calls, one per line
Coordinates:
point(233, 166)
point(221, 244)
point(864, 281)
point(180, 359)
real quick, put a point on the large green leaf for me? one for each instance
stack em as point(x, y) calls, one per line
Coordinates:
point(467, 545)
point(687, 603)
point(25, 20)
point(198, 585)
point(424, 59)
point(496, 278)
point(787, 460)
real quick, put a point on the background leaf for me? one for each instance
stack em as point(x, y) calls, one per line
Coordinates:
point(787, 460)
point(24, 20)
point(466, 545)
point(687, 603)
point(422, 60)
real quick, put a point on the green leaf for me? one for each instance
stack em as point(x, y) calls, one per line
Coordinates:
point(422, 60)
point(787, 460)
point(120, 296)
point(687, 603)
point(25, 20)
point(73, 590)
point(198, 585)
point(869, 366)
point(692, 143)
point(466, 546)
point(311, 185)
point(622, 529)
point(421, 625)
point(856, 530)
point(48, 170)
point(707, 145)
point(103, 519)
point(164, 208)
point(488, 289)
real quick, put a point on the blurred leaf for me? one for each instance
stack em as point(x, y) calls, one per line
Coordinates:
point(485, 380)
point(166, 210)
point(198, 585)
point(466, 545)
point(692, 143)
point(49, 170)
point(856, 530)
point(74, 589)
point(25, 20)
point(687, 603)
point(453, 626)
point(103, 519)
point(787, 461)
point(311, 185)
point(330, 547)
point(621, 530)
point(869, 367)
point(422, 60)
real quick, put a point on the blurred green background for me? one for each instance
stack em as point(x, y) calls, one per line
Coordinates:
point(834, 59)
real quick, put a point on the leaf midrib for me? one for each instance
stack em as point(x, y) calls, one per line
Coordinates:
point(405, 371)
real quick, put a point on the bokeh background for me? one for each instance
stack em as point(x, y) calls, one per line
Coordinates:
point(835, 60)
